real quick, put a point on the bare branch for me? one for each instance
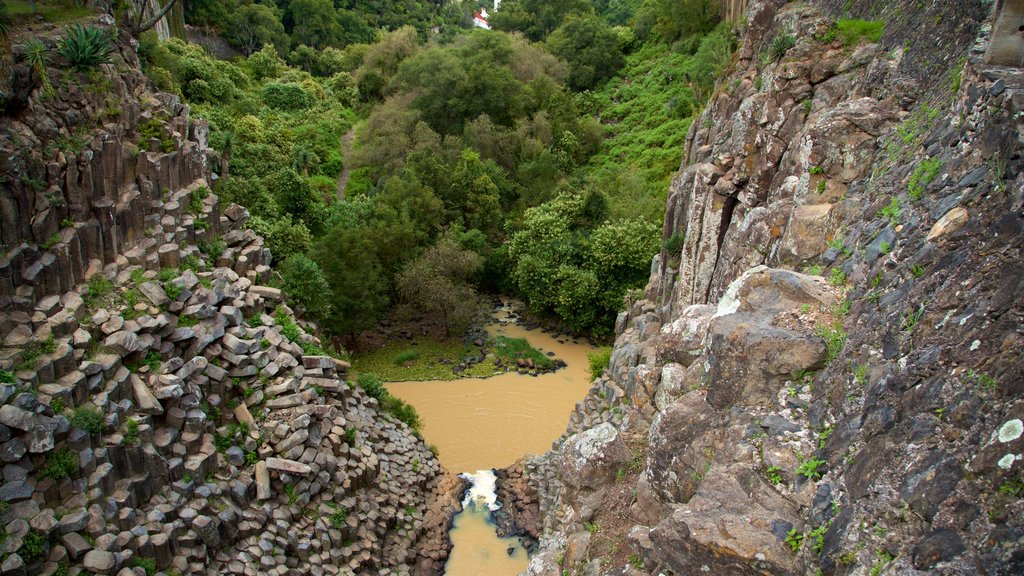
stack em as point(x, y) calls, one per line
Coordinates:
point(138, 27)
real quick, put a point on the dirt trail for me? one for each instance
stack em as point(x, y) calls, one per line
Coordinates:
point(346, 153)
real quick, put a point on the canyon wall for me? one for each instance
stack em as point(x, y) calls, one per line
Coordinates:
point(826, 378)
point(161, 407)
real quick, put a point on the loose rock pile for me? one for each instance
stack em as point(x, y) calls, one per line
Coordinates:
point(161, 408)
point(221, 445)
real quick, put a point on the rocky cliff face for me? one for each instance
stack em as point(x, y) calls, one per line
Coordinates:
point(161, 408)
point(827, 378)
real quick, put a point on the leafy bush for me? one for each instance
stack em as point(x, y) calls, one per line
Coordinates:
point(372, 385)
point(33, 547)
point(306, 285)
point(85, 47)
point(512, 349)
point(403, 411)
point(834, 337)
point(88, 419)
point(35, 350)
point(922, 175)
point(98, 287)
point(147, 564)
point(131, 432)
point(289, 328)
point(60, 464)
point(598, 361)
point(290, 96)
point(338, 518)
point(674, 243)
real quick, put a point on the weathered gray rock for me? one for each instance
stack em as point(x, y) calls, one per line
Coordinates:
point(100, 562)
point(592, 457)
point(123, 343)
point(262, 481)
point(748, 361)
point(288, 466)
point(154, 293)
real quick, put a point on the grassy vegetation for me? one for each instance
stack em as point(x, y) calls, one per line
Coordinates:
point(424, 360)
point(647, 110)
point(374, 387)
point(509, 350)
point(54, 12)
point(598, 361)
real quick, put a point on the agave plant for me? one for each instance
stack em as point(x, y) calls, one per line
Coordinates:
point(5, 19)
point(37, 60)
point(85, 47)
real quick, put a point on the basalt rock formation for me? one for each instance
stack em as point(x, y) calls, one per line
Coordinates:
point(161, 406)
point(827, 378)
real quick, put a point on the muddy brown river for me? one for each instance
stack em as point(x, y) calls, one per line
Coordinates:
point(484, 423)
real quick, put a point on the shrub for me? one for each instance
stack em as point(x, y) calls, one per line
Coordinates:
point(372, 385)
point(85, 47)
point(795, 539)
point(33, 547)
point(60, 464)
point(344, 89)
point(599, 361)
point(131, 432)
point(674, 243)
point(88, 419)
point(290, 96)
point(35, 350)
point(834, 338)
point(305, 284)
point(512, 349)
point(891, 211)
point(98, 287)
point(213, 248)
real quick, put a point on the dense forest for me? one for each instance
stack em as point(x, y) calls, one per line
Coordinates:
point(530, 159)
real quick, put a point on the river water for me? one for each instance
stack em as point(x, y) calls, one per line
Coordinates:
point(484, 423)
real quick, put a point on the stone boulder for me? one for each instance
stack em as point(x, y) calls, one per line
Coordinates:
point(679, 448)
point(682, 339)
point(592, 457)
point(749, 361)
point(726, 528)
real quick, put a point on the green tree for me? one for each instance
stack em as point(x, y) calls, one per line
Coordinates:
point(315, 23)
point(590, 47)
point(252, 26)
point(295, 197)
point(358, 290)
point(283, 236)
point(306, 285)
point(437, 282)
point(672, 20)
point(474, 194)
point(537, 18)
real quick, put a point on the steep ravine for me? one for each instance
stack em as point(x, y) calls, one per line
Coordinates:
point(163, 409)
point(827, 378)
